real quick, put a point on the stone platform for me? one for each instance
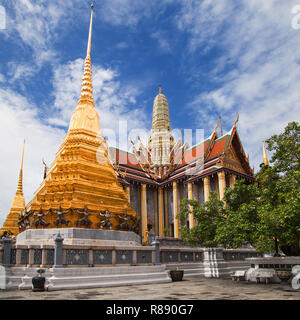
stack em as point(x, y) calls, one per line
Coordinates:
point(83, 278)
point(79, 236)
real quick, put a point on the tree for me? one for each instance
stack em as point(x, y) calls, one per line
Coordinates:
point(265, 214)
point(207, 215)
point(279, 210)
point(241, 222)
point(280, 192)
point(286, 149)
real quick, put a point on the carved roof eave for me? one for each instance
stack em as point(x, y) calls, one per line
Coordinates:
point(187, 179)
point(211, 143)
point(216, 170)
point(240, 150)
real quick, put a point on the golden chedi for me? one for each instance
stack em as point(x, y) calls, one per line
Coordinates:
point(81, 188)
point(11, 223)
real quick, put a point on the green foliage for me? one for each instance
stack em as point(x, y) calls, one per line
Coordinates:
point(286, 147)
point(279, 200)
point(207, 215)
point(256, 213)
point(240, 225)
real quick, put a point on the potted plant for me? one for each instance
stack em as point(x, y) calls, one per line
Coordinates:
point(38, 282)
point(176, 274)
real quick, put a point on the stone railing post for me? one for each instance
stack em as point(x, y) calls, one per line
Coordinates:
point(134, 257)
point(58, 252)
point(91, 258)
point(18, 256)
point(213, 257)
point(113, 256)
point(44, 256)
point(30, 256)
point(6, 252)
point(156, 243)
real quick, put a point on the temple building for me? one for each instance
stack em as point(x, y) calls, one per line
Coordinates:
point(91, 185)
point(158, 176)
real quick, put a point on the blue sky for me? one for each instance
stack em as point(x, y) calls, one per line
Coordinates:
point(211, 57)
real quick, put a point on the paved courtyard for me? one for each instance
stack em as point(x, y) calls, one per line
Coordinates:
point(189, 289)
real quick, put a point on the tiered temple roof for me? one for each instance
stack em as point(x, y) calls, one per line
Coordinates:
point(219, 153)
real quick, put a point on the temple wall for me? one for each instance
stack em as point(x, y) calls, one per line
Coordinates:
point(170, 208)
point(150, 206)
point(199, 191)
point(134, 198)
point(227, 179)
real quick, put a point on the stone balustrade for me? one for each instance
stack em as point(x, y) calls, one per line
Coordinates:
point(94, 256)
point(240, 254)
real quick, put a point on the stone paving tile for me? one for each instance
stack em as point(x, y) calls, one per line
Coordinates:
point(189, 289)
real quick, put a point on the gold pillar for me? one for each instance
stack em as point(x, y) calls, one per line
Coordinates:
point(175, 210)
point(206, 182)
point(166, 218)
point(144, 214)
point(161, 211)
point(190, 197)
point(128, 193)
point(222, 184)
point(156, 218)
point(232, 179)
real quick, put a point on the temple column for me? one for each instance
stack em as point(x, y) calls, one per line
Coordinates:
point(175, 210)
point(222, 184)
point(161, 211)
point(144, 214)
point(232, 179)
point(206, 182)
point(156, 218)
point(127, 189)
point(190, 197)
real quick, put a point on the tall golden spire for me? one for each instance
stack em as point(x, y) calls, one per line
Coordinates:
point(265, 158)
point(86, 96)
point(18, 205)
point(85, 116)
point(20, 182)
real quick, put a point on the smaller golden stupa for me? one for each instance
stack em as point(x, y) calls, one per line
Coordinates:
point(18, 206)
point(81, 188)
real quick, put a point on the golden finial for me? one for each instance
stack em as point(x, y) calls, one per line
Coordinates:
point(86, 96)
point(237, 118)
point(22, 155)
point(88, 53)
point(217, 126)
point(265, 158)
point(221, 128)
point(159, 88)
point(20, 182)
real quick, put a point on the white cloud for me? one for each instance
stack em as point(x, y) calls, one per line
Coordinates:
point(39, 23)
point(113, 101)
point(258, 72)
point(17, 71)
point(128, 12)
point(163, 42)
point(19, 120)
